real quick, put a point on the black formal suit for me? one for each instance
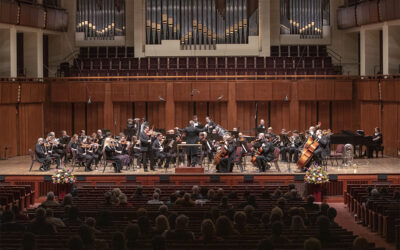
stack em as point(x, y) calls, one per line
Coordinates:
point(226, 164)
point(84, 156)
point(267, 155)
point(158, 152)
point(261, 129)
point(144, 148)
point(192, 137)
point(110, 155)
point(294, 149)
point(42, 157)
point(211, 126)
point(323, 149)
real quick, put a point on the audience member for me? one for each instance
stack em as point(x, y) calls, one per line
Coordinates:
point(224, 228)
point(360, 243)
point(132, 233)
point(73, 217)
point(276, 237)
point(324, 233)
point(75, 243)
point(50, 202)
point(8, 223)
point(312, 244)
point(67, 201)
point(332, 215)
point(208, 232)
point(265, 244)
point(56, 222)
point(196, 193)
point(156, 199)
point(180, 233)
point(39, 225)
point(145, 227)
point(162, 225)
point(158, 243)
point(91, 222)
point(185, 201)
point(240, 223)
point(224, 205)
point(118, 241)
point(139, 194)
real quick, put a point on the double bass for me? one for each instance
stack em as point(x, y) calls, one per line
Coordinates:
point(308, 152)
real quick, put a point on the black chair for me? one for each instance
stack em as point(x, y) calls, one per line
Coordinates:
point(33, 158)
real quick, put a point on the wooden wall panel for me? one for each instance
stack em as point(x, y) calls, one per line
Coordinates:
point(370, 116)
point(389, 128)
point(325, 89)
point(280, 116)
point(280, 89)
point(245, 117)
point(342, 114)
point(33, 92)
point(343, 90)
point(94, 117)
point(323, 114)
point(57, 117)
point(77, 92)
point(139, 91)
point(368, 90)
point(59, 92)
point(201, 111)
point(8, 130)
point(389, 91)
point(244, 91)
point(218, 89)
point(122, 111)
point(140, 110)
point(204, 88)
point(183, 113)
point(156, 90)
point(182, 91)
point(262, 112)
point(79, 117)
point(96, 91)
point(30, 126)
point(306, 90)
point(219, 112)
point(307, 114)
point(9, 93)
point(263, 90)
point(156, 114)
point(120, 92)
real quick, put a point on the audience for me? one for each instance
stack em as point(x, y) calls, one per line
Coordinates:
point(222, 222)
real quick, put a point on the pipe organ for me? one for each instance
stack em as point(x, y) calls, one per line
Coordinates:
point(304, 17)
point(201, 22)
point(100, 19)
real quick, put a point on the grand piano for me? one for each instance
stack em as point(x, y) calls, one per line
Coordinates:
point(357, 138)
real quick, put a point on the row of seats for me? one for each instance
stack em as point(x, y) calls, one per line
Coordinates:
point(22, 196)
point(299, 50)
point(161, 63)
point(378, 210)
point(203, 72)
point(106, 52)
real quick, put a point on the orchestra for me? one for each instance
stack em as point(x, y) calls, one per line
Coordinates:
point(141, 146)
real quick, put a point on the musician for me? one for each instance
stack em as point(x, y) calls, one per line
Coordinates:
point(283, 144)
point(82, 136)
point(158, 150)
point(100, 137)
point(270, 131)
point(261, 127)
point(192, 137)
point(63, 143)
point(53, 151)
point(197, 124)
point(93, 150)
point(377, 140)
point(207, 147)
point(135, 152)
point(323, 149)
point(241, 150)
point(122, 148)
point(294, 146)
point(266, 150)
point(81, 153)
point(227, 162)
point(210, 125)
point(110, 151)
point(145, 142)
point(131, 127)
point(42, 156)
point(311, 132)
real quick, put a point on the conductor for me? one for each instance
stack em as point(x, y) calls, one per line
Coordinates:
point(192, 137)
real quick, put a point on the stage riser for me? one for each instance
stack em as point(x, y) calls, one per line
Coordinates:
point(333, 188)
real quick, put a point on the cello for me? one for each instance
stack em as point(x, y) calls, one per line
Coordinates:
point(221, 154)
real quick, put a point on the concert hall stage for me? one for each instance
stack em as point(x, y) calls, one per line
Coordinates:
point(365, 171)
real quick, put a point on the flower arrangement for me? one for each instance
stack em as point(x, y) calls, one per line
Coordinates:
point(63, 176)
point(316, 175)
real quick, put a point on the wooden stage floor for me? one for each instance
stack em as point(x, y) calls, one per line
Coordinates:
point(387, 165)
